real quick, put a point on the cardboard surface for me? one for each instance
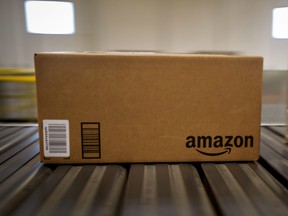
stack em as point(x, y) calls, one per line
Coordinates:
point(148, 107)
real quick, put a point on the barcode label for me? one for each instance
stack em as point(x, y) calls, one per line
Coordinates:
point(90, 135)
point(56, 138)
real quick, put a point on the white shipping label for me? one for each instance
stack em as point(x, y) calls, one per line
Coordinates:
point(56, 138)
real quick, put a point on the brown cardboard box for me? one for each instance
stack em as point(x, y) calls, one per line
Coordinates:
point(106, 108)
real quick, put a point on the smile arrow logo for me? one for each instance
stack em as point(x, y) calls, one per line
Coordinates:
point(227, 150)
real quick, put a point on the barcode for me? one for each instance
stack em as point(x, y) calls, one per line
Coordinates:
point(90, 134)
point(56, 138)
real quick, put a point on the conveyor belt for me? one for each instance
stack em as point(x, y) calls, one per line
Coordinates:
point(274, 152)
point(27, 187)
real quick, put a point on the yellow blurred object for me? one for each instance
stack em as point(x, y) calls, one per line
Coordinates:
point(17, 94)
point(17, 78)
point(9, 71)
point(17, 75)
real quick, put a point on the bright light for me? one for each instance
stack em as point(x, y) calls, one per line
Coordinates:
point(280, 23)
point(49, 17)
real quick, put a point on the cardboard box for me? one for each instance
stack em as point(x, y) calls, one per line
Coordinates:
point(106, 108)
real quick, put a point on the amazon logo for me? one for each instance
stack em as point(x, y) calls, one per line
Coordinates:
point(223, 144)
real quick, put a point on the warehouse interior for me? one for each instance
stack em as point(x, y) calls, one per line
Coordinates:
point(206, 27)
